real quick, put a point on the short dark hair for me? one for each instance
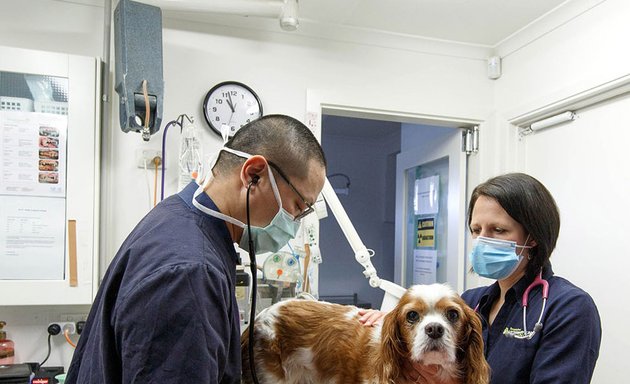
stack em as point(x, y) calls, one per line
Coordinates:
point(529, 203)
point(281, 139)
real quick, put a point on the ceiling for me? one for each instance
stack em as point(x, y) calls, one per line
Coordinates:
point(482, 22)
point(477, 22)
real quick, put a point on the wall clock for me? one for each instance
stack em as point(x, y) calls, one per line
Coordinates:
point(231, 104)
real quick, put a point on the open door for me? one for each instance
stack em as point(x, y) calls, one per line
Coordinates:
point(430, 214)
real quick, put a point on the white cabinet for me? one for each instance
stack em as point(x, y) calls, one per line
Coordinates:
point(49, 177)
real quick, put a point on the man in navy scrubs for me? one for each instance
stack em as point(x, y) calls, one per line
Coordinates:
point(166, 310)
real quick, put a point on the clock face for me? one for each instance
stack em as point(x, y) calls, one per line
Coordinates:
point(231, 104)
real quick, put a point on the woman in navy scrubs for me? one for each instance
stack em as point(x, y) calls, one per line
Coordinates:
point(514, 222)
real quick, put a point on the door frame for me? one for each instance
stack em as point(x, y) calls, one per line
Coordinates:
point(319, 102)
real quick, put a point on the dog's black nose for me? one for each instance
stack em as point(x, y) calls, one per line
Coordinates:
point(434, 330)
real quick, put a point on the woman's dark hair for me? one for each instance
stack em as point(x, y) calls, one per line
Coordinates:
point(281, 139)
point(528, 202)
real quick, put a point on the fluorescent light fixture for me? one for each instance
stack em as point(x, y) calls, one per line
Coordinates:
point(553, 120)
point(285, 10)
point(260, 8)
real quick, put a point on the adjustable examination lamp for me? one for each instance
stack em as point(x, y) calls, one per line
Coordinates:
point(393, 292)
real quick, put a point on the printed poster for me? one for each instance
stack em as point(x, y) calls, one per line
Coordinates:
point(33, 154)
point(32, 195)
point(426, 196)
point(426, 233)
point(424, 266)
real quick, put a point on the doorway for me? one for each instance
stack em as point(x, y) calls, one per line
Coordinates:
point(362, 155)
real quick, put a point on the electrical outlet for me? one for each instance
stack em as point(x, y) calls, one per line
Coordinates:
point(146, 156)
point(66, 326)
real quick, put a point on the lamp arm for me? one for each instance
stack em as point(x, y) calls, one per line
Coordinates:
point(361, 253)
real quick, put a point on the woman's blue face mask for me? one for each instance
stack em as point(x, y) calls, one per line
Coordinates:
point(495, 258)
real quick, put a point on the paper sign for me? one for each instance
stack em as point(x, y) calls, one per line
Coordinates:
point(424, 266)
point(32, 240)
point(426, 233)
point(427, 192)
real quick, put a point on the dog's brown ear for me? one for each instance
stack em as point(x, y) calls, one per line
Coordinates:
point(392, 349)
point(473, 360)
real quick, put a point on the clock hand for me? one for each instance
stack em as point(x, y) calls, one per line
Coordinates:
point(229, 101)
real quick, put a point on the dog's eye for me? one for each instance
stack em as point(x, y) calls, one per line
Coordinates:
point(413, 316)
point(452, 315)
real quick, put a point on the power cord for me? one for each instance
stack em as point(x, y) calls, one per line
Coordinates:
point(66, 334)
point(53, 329)
point(179, 121)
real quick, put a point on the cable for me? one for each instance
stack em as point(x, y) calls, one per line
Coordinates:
point(66, 335)
point(147, 108)
point(48, 354)
point(146, 177)
point(170, 123)
point(179, 121)
point(156, 161)
point(252, 311)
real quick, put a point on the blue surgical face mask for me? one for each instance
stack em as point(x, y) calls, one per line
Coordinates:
point(270, 238)
point(495, 258)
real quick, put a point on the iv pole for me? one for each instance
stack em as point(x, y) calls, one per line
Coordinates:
point(393, 292)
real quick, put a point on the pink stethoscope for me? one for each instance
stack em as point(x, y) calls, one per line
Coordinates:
point(524, 334)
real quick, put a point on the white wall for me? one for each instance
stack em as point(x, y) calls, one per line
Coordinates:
point(591, 184)
point(52, 26)
point(585, 163)
point(586, 51)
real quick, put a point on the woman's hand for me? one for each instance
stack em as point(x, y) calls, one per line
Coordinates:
point(369, 317)
point(426, 374)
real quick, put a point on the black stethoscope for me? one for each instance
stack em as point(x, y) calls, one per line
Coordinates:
point(253, 268)
point(524, 334)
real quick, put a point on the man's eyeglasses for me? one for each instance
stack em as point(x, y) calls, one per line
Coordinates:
point(309, 207)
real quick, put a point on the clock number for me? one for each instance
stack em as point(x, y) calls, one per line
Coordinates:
point(218, 101)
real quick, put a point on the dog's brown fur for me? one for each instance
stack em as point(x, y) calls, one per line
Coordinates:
point(305, 341)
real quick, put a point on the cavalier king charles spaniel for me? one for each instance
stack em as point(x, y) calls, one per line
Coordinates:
point(307, 341)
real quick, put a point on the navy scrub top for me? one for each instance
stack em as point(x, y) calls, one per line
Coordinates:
point(166, 310)
point(564, 351)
